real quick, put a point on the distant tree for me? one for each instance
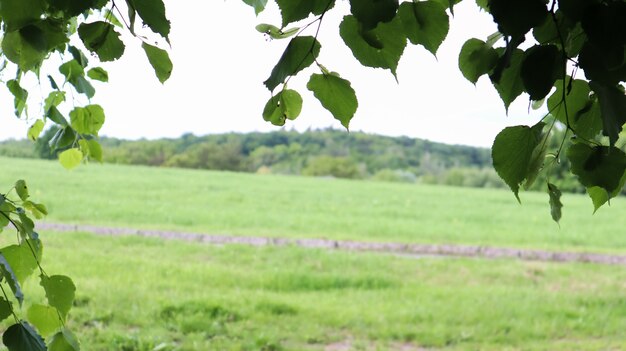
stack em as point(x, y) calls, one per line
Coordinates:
point(339, 167)
point(226, 157)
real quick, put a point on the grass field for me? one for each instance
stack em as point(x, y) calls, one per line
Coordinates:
point(245, 204)
point(138, 294)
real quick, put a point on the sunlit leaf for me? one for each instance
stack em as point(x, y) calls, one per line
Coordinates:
point(71, 158)
point(44, 318)
point(35, 130)
point(21, 189)
point(88, 119)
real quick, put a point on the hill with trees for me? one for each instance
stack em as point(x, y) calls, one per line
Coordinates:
point(327, 152)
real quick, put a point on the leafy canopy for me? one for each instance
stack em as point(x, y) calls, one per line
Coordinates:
point(573, 56)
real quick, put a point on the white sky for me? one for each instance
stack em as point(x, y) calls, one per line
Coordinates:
point(221, 61)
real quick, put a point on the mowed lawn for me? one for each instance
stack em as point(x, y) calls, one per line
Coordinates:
point(283, 206)
point(140, 294)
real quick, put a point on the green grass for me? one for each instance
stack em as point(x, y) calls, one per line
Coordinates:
point(135, 294)
point(246, 204)
point(138, 294)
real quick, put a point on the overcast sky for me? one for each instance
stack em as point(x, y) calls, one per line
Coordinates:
point(221, 61)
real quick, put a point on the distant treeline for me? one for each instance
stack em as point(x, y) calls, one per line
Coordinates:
point(328, 152)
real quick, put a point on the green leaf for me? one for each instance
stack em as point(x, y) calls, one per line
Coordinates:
point(160, 61)
point(54, 99)
point(599, 196)
point(517, 17)
point(38, 210)
point(513, 154)
point(258, 5)
point(476, 58)
point(295, 10)
point(78, 55)
point(287, 104)
point(152, 12)
point(22, 337)
point(102, 39)
point(613, 107)
point(98, 73)
point(536, 163)
point(72, 70)
point(510, 85)
point(483, 5)
point(541, 67)
point(20, 96)
point(75, 75)
point(26, 52)
point(17, 14)
point(447, 4)
point(55, 116)
point(35, 130)
point(336, 95)
point(555, 202)
point(71, 8)
point(95, 150)
point(275, 32)
point(88, 119)
point(84, 147)
point(44, 318)
point(63, 138)
point(299, 54)
point(425, 23)
point(11, 278)
point(371, 12)
point(598, 166)
point(70, 158)
point(27, 225)
point(111, 18)
point(53, 84)
point(5, 309)
point(21, 260)
point(46, 35)
point(60, 292)
point(576, 99)
point(388, 37)
point(21, 189)
point(64, 341)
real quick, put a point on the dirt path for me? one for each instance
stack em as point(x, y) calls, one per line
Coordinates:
point(349, 245)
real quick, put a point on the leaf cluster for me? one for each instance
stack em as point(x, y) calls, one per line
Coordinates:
point(18, 262)
point(538, 50)
point(376, 32)
point(34, 30)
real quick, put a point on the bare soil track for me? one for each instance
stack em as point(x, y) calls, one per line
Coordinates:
point(447, 250)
